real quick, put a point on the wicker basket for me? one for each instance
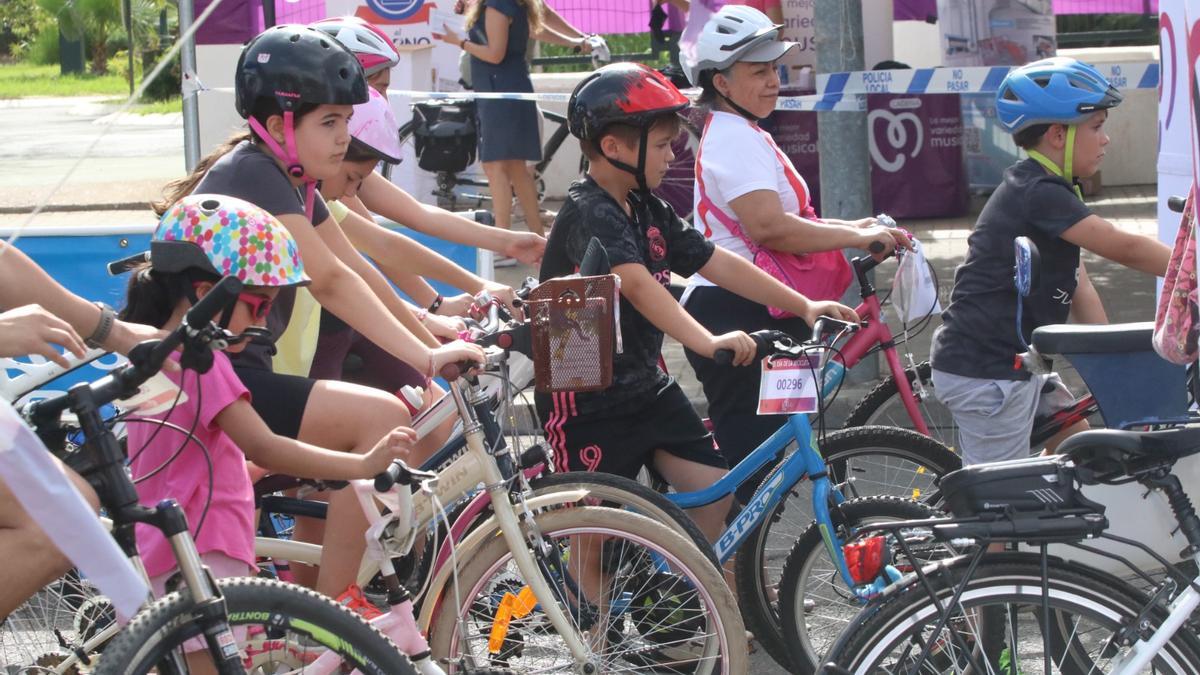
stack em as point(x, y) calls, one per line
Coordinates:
point(573, 324)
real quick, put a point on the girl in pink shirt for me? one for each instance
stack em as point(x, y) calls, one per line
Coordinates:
point(199, 240)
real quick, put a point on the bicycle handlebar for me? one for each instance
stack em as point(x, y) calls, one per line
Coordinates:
point(400, 473)
point(779, 343)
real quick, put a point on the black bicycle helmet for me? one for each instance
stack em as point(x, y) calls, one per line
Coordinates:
point(296, 64)
point(622, 93)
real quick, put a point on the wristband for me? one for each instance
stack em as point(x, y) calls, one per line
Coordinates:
point(437, 302)
point(462, 44)
point(108, 317)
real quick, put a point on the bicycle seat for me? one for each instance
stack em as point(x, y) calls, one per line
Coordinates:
point(1110, 454)
point(1118, 338)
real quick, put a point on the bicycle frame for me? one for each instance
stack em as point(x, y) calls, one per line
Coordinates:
point(875, 331)
point(805, 462)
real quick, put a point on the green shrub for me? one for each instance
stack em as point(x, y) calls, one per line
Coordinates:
point(43, 49)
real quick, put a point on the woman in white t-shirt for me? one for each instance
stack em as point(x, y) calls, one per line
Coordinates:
point(749, 196)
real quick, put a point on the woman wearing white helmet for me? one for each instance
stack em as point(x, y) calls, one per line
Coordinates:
point(748, 196)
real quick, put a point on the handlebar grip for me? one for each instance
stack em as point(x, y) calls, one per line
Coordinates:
point(723, 357)
point(876, 247)
point(396, 473)
point(219, 297)
point(1176, 203)
point(452, 371)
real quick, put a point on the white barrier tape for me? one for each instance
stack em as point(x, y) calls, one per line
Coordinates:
point(844, 92)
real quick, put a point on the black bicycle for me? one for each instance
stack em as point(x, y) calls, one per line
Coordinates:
point(247, 625)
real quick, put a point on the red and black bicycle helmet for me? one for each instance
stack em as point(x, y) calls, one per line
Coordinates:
point(622, 93)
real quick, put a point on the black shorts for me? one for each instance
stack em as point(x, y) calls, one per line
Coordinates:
point(623, 445)
point(371, 365)
point(278, 399)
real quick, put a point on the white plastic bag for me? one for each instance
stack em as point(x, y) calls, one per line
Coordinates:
point(914, 291)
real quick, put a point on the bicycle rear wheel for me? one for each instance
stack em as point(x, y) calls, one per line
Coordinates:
point(659, 605)
point(59, 622)
point(883, 406)
point(281, 628)
point(999, 624)
point(862, 461)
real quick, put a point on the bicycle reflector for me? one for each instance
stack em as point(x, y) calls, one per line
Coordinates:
point(573, 324)
point(865, 559)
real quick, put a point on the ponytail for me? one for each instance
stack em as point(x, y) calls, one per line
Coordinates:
point(152, 296)
point(182, 187)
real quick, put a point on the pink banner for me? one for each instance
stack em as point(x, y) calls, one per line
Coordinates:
point(1105, 6)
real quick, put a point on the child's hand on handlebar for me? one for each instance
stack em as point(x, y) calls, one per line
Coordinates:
point(395, 445)
point(455, 352)
point(742, 345)
point(836, 310)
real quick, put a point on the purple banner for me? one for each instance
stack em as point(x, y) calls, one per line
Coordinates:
point(1105, 6)
point(916, 153)
point(236, 21)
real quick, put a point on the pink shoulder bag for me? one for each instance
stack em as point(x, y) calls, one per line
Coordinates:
point(824, 275)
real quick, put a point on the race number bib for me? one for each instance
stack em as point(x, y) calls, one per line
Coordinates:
point(788, 386)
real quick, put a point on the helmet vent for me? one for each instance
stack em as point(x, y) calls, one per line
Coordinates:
point(295, 37)
point(1042, 82)
point(210, 205)
point(1010, 95)
point(343, 73)
point(324, 44)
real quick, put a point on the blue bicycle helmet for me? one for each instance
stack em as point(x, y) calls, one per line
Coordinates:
point(1058, 90)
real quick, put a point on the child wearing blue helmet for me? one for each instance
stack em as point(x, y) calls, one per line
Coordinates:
point(1055, 109)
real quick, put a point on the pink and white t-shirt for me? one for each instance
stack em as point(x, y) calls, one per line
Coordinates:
point(229, 525)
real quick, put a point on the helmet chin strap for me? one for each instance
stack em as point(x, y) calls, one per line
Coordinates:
point(739, 109)
point(1067, 169)
point(290, 156)
point(639, 171)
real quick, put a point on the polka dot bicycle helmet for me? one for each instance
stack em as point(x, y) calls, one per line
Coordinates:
point(225, 236)
point(373, 48)
point(1058, 90)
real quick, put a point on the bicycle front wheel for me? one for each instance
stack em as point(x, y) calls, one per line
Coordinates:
point(654, 603)
point(862, 461)
point(280, 628)
point(999, 624)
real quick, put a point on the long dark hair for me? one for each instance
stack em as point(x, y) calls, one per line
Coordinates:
point(182, 187)
point(151, 296)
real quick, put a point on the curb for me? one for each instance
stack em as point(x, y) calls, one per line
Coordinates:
point(58, 208)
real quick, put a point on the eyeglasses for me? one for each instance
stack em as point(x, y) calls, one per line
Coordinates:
point(259, 305)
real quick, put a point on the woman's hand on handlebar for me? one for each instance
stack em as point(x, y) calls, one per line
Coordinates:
point(33, 330)
point(742, 345)
point(879, 240)
point(395, 445)
point(455, 352)
point(836, 310)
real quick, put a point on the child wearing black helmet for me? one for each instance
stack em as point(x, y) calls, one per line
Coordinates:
point(1056, 109)
point(625, 116)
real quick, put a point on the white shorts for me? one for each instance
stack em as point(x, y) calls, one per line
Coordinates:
point(995, 417)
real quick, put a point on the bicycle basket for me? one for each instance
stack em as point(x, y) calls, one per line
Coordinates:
point(1035, 486)
point(573, 324)
point(444, 137)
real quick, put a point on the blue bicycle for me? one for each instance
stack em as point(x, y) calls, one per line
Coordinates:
point(894, 466)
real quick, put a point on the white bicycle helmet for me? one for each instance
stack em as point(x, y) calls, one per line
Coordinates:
point(371, 45)
point(735, 33)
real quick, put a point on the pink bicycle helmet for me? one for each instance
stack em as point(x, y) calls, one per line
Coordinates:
point(373, 128)
point(369, 43)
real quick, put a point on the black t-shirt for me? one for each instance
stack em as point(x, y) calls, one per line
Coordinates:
point(978, 337)
point(655, 237)
point(249, 173)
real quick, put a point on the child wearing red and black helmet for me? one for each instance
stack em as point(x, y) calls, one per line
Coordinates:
point(626, 116)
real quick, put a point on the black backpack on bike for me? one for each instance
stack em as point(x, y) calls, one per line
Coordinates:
point(445, 135)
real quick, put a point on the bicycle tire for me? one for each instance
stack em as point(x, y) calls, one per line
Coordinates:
point(1008, 582)
point(759, 562)
point(484, 577)
point(806, 644)
point(883, 406)
point(162, 627)
point(623, 492)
